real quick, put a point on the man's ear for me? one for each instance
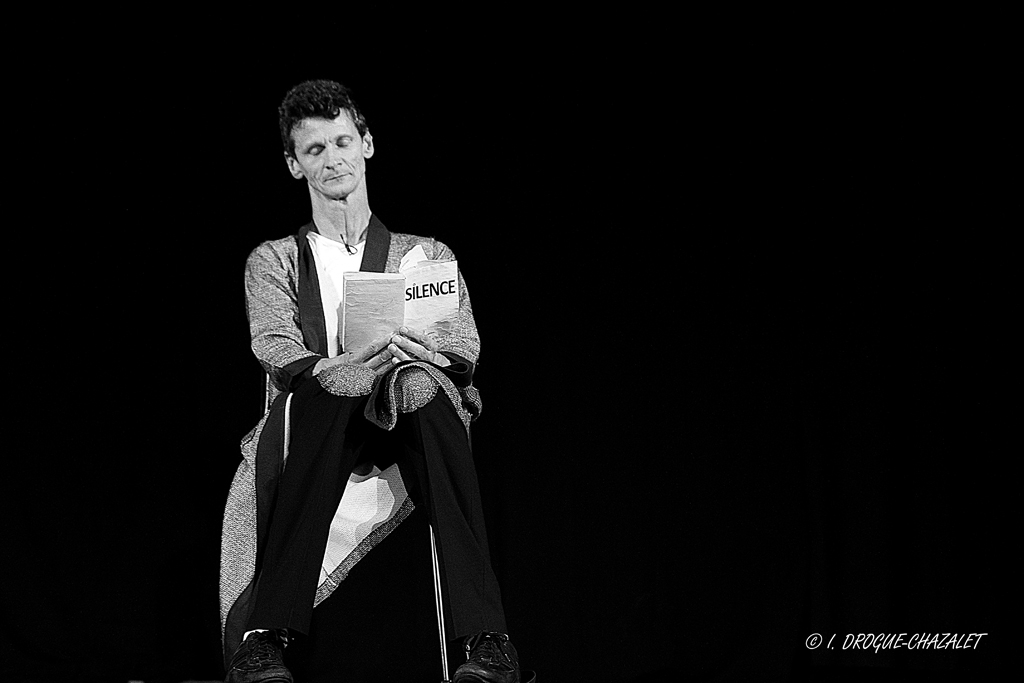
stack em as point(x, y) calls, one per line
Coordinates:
point(293, 166)
point(367, 145)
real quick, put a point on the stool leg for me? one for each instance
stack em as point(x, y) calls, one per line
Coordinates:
point(439, 605)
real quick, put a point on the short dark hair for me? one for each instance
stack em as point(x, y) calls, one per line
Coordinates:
point(317, 99)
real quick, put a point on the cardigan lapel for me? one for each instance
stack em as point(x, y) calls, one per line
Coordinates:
point(378, 243)
point(311, 307)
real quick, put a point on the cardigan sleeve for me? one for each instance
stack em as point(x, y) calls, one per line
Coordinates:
point(271, 295)
point(271, 292)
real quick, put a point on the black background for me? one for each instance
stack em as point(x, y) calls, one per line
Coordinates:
point(743, 314)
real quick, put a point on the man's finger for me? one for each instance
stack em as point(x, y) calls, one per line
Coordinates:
point(382, 368)
point(382, 357)
point(398, 352)
point(425, 340)
point(408, 347)
point(412, 348)
point(367, 352)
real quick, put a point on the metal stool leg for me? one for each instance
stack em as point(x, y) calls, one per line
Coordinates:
point(527, 675)
point(439, 605)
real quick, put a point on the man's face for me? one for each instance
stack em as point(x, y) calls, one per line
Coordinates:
point(330, 155)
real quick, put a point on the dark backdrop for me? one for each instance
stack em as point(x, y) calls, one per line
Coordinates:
point(742, 321)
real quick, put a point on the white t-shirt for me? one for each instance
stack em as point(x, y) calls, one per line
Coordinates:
point(332, 262)
point(369, 500)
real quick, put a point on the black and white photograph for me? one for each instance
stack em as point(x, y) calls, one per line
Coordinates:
point(510, 356)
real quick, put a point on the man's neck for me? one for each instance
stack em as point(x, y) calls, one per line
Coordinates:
point(342, 220)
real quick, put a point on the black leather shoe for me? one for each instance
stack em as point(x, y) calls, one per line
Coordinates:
point(492, 659)
point(259, 660)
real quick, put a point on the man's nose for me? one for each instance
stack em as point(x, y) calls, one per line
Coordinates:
point(333, 155)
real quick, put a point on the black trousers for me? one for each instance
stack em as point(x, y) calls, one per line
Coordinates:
point(379, 626)
point(329, 437)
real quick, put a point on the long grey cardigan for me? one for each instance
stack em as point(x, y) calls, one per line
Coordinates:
point(287, 329)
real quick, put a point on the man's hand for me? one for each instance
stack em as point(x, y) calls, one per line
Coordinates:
point(410, 344)
point(375, 356)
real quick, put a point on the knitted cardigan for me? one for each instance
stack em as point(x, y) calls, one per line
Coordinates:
point(288, 338)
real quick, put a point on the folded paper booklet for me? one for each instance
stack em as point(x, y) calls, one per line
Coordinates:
point(424, 295)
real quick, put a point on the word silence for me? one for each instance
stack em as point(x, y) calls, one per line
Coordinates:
point(426, 289)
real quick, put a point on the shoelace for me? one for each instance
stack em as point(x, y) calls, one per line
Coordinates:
point(262, 651)
point(489, 651)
